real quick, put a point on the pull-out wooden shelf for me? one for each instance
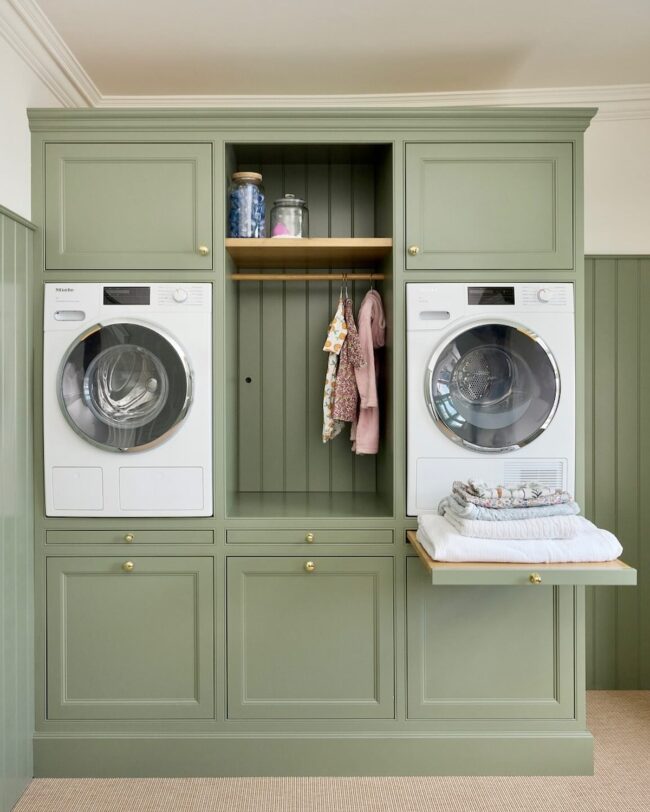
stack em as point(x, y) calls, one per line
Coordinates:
point(318, 252)
point(607, 573)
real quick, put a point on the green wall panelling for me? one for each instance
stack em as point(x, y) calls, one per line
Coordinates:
point(136, 206)
point(315, 645)
point(489, 206)
point(16, 518)
point(130, 645)
point(279, 463)
point(618, 463)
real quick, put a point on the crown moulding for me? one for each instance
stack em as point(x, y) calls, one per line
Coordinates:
point(34, 38)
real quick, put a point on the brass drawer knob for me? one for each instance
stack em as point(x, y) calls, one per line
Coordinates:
point(535, 578)
point(310, 566)
point(128, 538)
point(309, 538)
point(414, 250)
point(128, 566)
point(204, 250)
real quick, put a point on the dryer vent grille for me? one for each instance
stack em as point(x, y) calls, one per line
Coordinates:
point(551, 473)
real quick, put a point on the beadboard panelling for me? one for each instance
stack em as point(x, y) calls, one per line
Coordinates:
point(618, 463)
point(281, 332)
point(16, 524)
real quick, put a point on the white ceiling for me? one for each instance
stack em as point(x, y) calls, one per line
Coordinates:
point(191, 47)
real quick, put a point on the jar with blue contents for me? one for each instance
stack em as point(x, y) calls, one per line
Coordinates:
point(247, 205)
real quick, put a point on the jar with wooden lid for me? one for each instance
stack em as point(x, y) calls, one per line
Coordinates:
point(247, 205)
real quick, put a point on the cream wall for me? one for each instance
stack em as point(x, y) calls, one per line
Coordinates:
point(617, 187)
point(20, 88)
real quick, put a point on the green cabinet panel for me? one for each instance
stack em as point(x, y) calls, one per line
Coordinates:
point(488, 652)
point(127, 536)
point(133, 206)
point(130, 645)
point(315, 645)
point(489, 206)
point(310, 536)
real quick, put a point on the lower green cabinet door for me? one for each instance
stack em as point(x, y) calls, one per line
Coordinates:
point(488, 652)
point(310, 638)
point(130, 639)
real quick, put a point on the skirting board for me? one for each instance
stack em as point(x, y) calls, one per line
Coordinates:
point(59, 756)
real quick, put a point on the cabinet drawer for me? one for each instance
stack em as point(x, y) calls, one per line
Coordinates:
point(489, 206)
point(130, 639)
point(310, 638)
point(126, 536)
point(132, 206)
point(310, 536)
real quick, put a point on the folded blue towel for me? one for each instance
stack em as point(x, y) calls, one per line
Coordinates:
point(483, 514)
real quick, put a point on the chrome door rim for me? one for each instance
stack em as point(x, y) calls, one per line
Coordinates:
point(182, 413)
point(428, 380)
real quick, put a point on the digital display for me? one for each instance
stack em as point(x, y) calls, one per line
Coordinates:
point(491, 296)
point(127, 296)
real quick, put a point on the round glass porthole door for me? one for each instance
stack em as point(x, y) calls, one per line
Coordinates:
point(124, 386)
point(493, 387)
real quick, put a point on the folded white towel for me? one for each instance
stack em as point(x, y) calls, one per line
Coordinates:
point(547, 527)
point(443, 543)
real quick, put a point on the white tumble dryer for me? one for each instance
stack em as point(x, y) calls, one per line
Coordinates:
point(127, 399)
point(491, 386)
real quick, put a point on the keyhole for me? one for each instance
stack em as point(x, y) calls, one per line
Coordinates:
point(248, 380)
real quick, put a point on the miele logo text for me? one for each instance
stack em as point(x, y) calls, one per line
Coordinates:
point(65, 290)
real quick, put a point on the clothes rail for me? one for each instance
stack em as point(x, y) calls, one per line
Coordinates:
point(307, 277)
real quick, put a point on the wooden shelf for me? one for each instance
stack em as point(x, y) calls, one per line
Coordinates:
point(474, 573)
point(318, 252)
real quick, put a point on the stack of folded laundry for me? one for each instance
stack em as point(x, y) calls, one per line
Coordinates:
point(525, 523)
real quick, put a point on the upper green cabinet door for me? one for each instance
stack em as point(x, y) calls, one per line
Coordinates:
point(132, 644)
point(128, 206)
point(489, 206)
point(310, 638)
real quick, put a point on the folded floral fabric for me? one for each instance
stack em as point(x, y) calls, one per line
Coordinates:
point(468, 510)
point(443, 543)
point(467, 493)
point(548, 527)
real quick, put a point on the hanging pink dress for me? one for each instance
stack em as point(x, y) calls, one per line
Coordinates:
point(372, 332)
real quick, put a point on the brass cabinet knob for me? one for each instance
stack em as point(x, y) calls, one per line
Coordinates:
point(310, 566)
point(309, 538)
point(204, 250)
point(128, 538)
point(535, 578)
point(128, 566)
point(414, 250)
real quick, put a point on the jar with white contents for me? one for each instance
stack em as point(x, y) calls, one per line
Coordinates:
point(289, 217)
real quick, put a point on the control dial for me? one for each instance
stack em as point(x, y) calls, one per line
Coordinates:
point(545, 294)
point(180, 295)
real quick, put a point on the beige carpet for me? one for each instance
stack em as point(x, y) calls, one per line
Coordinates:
point(620, 722)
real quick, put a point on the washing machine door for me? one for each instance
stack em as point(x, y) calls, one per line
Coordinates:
point(124, 386)
point(493, 387)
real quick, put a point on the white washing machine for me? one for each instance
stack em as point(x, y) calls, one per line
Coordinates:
point(127, 399)
point(491, 386)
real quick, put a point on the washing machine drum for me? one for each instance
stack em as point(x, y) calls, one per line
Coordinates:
point(493, 387)
point(124, 386)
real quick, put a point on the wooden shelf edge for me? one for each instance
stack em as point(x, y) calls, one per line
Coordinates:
point(431, 565)
point(315, 252)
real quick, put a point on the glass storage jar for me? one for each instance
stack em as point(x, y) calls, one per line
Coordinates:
point(247, 206)
point(289, 217)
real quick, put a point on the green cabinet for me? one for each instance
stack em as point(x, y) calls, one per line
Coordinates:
point(492, 206)
point(130, 642)
point(310, 638)
point(488, 652)
point(128, 206)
